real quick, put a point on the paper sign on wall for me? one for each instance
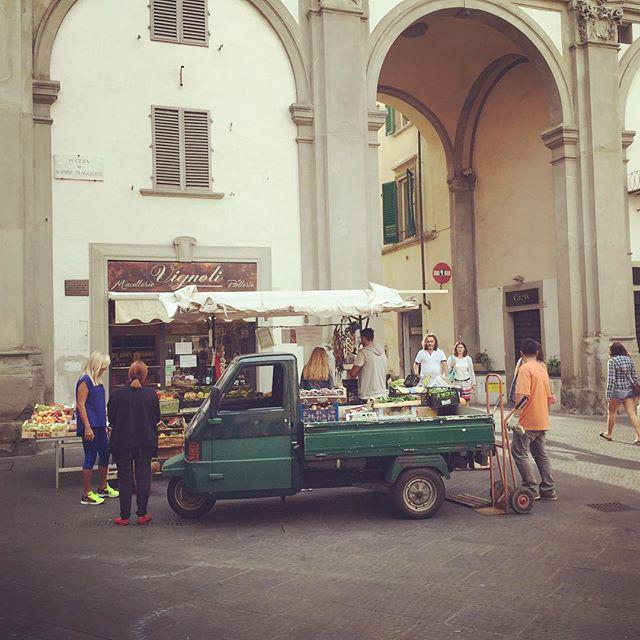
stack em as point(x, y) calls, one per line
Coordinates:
point(265, 337)
point(184, 348)
point(188, 362)
point(304, 336)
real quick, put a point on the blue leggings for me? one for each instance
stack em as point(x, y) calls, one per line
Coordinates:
point(96, 448)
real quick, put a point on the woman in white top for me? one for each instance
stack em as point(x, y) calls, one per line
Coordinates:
point(431, 361)
point(461, 370)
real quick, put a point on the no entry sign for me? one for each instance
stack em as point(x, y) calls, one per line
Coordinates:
point(442, 273)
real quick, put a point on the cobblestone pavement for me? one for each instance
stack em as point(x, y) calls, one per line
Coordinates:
point(330, 564)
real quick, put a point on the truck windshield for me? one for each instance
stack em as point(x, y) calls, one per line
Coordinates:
point(198, 415)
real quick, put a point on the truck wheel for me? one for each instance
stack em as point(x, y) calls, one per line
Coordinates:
point(185, 503)
point(418, 493)
point(521, 500)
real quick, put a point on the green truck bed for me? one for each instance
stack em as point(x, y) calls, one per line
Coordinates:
point(397, 437)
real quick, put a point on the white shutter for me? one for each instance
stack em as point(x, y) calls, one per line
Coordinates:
point(166, 148)
point(164, 20)
point(194, 21)
point(196, 150)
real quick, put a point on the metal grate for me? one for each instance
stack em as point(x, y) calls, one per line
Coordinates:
point(609, 507)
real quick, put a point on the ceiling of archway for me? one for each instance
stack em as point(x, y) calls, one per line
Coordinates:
point(439, 68)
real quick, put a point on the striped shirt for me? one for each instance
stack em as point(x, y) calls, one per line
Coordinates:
point(621, 375)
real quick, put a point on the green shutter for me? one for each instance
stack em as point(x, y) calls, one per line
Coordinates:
point(390, 212)
point(410, 222)
point(390, 122)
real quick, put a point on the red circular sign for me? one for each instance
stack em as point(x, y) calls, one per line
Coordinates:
point(442, 273)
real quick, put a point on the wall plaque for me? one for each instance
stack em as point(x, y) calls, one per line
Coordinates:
point(76, 287)
point(160, 276)
point(77, 167)
point(522, 298)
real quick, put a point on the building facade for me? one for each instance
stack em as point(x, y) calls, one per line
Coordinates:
point(250, 129)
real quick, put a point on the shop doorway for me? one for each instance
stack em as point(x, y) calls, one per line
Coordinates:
point(410, 338)
point(526, 324)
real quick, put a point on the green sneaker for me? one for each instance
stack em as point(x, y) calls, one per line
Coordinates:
point(108, 492)
point(91, 498)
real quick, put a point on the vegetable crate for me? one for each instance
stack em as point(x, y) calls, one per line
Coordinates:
point(325, 412)
point(438, 397)
point(169, 405)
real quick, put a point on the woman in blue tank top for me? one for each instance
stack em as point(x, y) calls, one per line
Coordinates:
point(91, 419)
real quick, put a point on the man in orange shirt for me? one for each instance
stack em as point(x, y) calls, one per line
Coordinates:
point(530, 439)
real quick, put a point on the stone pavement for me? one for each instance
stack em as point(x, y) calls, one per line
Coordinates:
point(330, 564)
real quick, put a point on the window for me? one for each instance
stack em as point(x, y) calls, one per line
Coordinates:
point(255, 387)
point(181, 21)
point(390, 121)
point(181, 149)
point(398, 208)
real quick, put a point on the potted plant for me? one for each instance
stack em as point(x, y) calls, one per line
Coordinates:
point(484, 361)
point(553, 366)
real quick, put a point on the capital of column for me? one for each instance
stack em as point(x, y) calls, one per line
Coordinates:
point(302, 115)
point(338, 6)
point(597, 22)
point(464, 182)
point(563, 142)
point(45, 93)
point(375, 121)
point(627, 138)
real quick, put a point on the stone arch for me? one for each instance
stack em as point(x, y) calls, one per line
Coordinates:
point(535, 45)
point(429, 115)
point(274, 11)
point(628, 67)
point(473, 105)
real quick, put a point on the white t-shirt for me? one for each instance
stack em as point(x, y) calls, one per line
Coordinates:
point(372, 377)
point(430, 362)
point(462, 368)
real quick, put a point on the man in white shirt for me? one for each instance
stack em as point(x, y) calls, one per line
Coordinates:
point(430, 360)
point(370, 367)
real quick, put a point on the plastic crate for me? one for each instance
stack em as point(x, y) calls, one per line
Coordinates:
point(168, 406)
point(327, 412)
point(444, 397)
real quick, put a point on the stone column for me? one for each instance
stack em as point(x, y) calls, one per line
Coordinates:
point(562, 141)
point(338, 35)
point(464, 285)
point(608, 291)
point(21, 378)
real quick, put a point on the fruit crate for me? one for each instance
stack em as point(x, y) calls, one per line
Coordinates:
point(437, 397)
point(169, 405)
point(321, 412)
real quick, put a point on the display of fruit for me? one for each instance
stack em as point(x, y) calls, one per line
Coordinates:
point(167, 395)
point(49, 420)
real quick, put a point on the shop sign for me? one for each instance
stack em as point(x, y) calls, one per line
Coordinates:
point(522, 298)
point(158, 276)
point(77, 167)
point(76, 288)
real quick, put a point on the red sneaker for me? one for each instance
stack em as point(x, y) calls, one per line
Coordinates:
point(121, 522)
point(144, 519)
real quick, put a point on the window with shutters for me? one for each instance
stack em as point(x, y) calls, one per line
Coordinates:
point(390, 212)
point(390, 121)
point(181, 21)
point(181, 149)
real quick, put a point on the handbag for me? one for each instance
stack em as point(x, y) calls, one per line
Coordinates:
point(412, 380)
point(635, 386)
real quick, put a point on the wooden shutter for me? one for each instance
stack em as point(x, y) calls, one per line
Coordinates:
point(196, 150)
point(194, 21)
point(166, 148)
point(410, 222)
point(164, 20)
point(390, 212)
point(390, 121)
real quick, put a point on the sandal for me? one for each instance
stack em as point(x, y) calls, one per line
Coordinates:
point(603, 434)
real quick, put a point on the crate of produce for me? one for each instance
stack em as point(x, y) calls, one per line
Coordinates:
point(194, 397)
point(437, 397)
point(166, 441)
point(169, 405)
point(319, 412)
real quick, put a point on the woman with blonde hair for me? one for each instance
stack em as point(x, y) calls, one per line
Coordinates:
point(91, 426)
point(134, 413)
point(316, 373)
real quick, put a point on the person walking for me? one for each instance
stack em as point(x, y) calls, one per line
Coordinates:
point(370, 367)
point(461, 370)
point(531, 423)
point(431, 361)
point(316, 374)
point(134, 413)
point(622, 382)
point(91, 426)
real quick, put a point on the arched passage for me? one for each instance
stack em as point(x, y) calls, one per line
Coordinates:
point(486, 79)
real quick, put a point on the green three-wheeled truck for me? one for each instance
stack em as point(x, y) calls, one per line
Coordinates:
point(248, 444)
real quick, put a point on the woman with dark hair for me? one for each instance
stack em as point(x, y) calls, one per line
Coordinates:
point(134, 413)
point(461, 370)
point(621, 382)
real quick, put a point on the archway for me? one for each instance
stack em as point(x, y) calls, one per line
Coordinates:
point(490, 84)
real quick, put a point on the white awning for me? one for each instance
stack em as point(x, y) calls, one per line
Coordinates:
point(184, 304)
